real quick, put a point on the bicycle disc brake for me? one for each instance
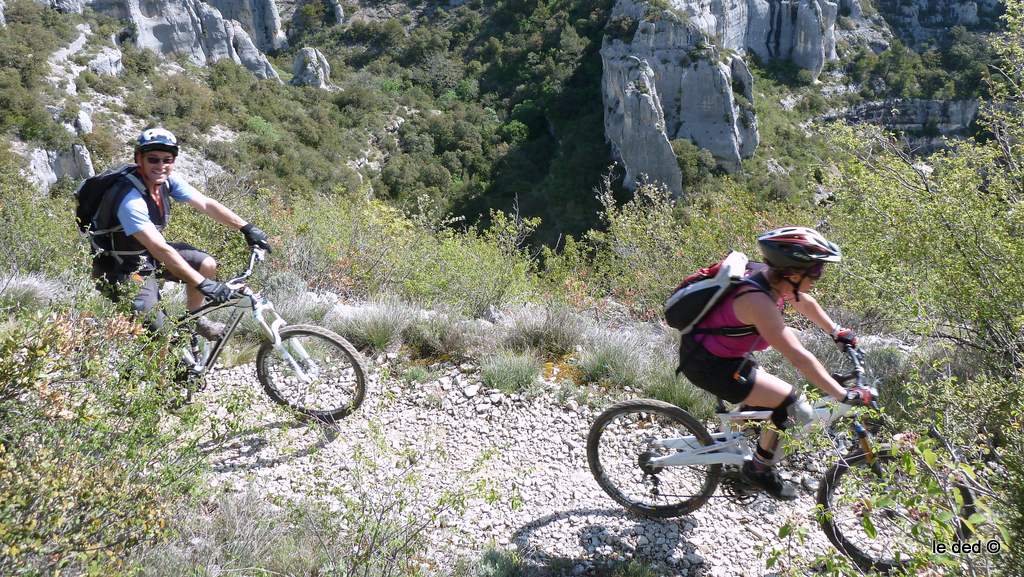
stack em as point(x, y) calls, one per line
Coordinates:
point(650, 471)
point(737, 489)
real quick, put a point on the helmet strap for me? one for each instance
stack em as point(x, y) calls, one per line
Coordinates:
point(796, 285)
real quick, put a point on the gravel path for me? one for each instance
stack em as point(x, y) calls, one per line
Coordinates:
point(531, 451)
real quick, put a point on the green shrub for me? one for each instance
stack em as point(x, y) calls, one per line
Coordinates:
point(509, 371)
point(100, 477)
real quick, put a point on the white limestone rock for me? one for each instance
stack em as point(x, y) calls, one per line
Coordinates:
point(107, 62)
point(3, 20)
point(83, 121)
point(635, 125)
point(311, 69)
point(260, 18)
point(191, 28)
point(46, 167)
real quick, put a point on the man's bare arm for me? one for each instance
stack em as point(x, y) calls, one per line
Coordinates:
point(216, 211)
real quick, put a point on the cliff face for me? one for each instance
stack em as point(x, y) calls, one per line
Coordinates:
point(678, 73)
point(923, 124)
point(197, 29)
point(920, 21)
point(260, 18)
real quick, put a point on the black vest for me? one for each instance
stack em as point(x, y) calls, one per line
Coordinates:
point(115, 253)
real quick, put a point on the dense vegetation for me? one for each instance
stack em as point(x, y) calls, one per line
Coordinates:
point(934, 256)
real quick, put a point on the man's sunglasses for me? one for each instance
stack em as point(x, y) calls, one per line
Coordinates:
point(159, 160)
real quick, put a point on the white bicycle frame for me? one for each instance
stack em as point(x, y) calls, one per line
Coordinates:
point(261, 309)
point(730, 446)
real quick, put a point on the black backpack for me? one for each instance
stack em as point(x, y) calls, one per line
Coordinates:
point(694, 298)
point(90, 195)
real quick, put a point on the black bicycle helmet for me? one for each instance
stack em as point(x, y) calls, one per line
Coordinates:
point(797, 248)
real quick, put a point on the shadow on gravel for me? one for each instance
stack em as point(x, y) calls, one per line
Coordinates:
point(600, 540)
point(252, 449)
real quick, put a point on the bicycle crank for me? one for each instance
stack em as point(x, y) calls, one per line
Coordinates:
point(737, 489)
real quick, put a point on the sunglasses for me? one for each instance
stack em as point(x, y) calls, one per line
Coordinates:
point(815, 272)
point(160, 160)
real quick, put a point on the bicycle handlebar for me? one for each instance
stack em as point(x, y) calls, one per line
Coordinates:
point(257, 255)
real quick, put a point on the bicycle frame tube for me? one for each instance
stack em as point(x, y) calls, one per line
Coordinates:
point(240, 305)
point(730, 447)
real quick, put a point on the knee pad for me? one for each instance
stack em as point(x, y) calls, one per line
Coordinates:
point(793, 409)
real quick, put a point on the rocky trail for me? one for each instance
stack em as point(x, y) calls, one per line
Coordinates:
point(529, 453)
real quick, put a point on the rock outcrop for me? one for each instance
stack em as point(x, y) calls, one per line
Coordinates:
point(918, 22)
point(3, 20)
point(46, 167)
point(196, 29)
point(260, 18)
point(923, 124)
point(311, 69)
point(107, 62)
point(634, 123)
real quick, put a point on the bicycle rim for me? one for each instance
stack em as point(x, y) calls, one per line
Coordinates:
point(877, 515)
point(622, 441)
point(316, 372)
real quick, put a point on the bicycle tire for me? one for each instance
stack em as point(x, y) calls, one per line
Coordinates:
point(347, 369)
point(702, 482)
point(843, 528)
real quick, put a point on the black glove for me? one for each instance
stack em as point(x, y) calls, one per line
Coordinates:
point(861, 396)
point(256, 237)
point(217, 292)
point(844, 336)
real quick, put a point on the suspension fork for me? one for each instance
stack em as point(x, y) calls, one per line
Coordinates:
point(263, 308)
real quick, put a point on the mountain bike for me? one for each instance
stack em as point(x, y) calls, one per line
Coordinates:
point(307, 368)
point(659, 461)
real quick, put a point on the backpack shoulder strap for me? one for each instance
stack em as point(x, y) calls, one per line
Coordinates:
point(106, 216)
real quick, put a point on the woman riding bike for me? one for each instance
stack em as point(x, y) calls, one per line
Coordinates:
point(715, 356)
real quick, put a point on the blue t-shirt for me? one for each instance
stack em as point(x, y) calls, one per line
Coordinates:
point(133, 214)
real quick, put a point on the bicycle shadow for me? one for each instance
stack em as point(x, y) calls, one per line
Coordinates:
point(251, 449)
point(604, 539)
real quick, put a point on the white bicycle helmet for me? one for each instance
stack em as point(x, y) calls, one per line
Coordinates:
point(797, 248)
point(157, 139)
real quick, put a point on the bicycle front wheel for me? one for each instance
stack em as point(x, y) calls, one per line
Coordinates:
point(314, 371)
point(623, 440)
point(878, 515)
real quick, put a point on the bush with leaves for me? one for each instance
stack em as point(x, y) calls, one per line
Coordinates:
point(101, 476)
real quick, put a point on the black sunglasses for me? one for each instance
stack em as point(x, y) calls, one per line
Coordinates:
point(159, 160)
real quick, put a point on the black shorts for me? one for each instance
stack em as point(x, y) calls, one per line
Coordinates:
point(145, 300)
point(729, 378)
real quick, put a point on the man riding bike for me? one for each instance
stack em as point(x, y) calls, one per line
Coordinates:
point(719, 361)
point(137, 210)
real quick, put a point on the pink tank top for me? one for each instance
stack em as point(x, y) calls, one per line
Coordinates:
point(723, 315)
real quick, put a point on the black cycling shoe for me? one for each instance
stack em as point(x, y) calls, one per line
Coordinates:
point(769, 481)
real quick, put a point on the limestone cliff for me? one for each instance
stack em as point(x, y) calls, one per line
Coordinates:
point(260, 18)
point(923, 124)
point(311, 68)
point(197, 29)
point(920, 21)
point(3, 21)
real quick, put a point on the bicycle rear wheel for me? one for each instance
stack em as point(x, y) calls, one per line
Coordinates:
point(877, 515)
point(622, 442)
point(315, 372)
